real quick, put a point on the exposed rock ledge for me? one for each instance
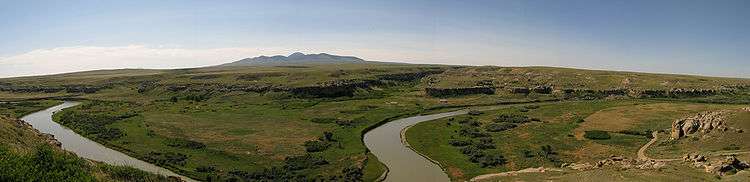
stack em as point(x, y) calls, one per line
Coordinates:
point(702, 123)
point(726, 166)
point(616, 161)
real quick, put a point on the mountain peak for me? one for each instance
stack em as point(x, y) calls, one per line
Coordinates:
point(296, 54)
point(296, 58)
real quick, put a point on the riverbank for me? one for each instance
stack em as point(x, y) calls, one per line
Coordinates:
point(86, 148)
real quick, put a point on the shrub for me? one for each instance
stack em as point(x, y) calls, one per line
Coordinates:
point(91, 119)
point(198, 97)
point(316, 146)
point(327, 136)
point(492, 160)
point(531, 107)
point(472, 132)
point(511, 118)
point(485, 143)
point(646, 133)
point(459, 143)
point(469, 149)
point(205, 169)
point(497, 127)
point(549, 153)
point(184, 143)
point(171, 158)
point(476, 156)
point(597, 135)
point(303, 162)
point(323, 120)
point(473, 123)
point(731, 147)
point(44, 164)
point(527, 154)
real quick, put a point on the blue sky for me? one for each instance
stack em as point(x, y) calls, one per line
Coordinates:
point(690, 37)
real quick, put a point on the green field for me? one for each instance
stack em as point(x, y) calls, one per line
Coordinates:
point(306, 121)
point(626, 124)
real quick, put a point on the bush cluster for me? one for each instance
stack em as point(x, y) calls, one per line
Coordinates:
point(167, 158)
point(92, 119)
point(512, 118)
point(497, 127)
point(597, 135)
point(184, 143)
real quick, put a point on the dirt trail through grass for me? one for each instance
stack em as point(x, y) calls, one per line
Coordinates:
point(642, 151)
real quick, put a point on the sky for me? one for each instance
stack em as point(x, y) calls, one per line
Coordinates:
point(707, 37)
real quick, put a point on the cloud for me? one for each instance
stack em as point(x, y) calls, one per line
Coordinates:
point(81, 58)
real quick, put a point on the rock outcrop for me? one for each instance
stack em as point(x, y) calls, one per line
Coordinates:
point(704, 122)
point(618, 162)
point(449, 92)
point(51, 89)
point(729, 164)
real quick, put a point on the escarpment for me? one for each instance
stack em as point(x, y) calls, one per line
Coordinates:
point(329, 89)
point(447, 92)
point(52, 89)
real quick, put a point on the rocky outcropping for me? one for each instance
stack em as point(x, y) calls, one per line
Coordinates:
point(588, 94)
point(704, 122)
point(51, 89)
point(409, 76)
point(337, 88)
point(729, 164)
point(449, 92)
point(618, 162)
point(520, 90)
point(542, 89)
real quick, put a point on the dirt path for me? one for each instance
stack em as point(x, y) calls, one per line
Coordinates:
point(642, 151)
point(513, 173)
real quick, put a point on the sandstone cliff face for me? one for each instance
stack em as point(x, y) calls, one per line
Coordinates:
point(703, 123)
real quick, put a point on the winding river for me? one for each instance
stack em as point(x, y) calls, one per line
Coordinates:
point(86, 148)
point(404, 164)
point(385, 142)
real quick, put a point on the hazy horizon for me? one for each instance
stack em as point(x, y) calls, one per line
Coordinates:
point(679, 37)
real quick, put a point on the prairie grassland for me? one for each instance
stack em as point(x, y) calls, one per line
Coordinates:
point(214, 133)
point(561, 126)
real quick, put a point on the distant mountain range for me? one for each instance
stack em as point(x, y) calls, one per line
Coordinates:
point(296, 58)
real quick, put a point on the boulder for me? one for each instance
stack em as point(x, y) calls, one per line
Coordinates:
point(543, 89)
point(719, 166)
point(702, 123)
point(618, 162)
point(729, 164)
